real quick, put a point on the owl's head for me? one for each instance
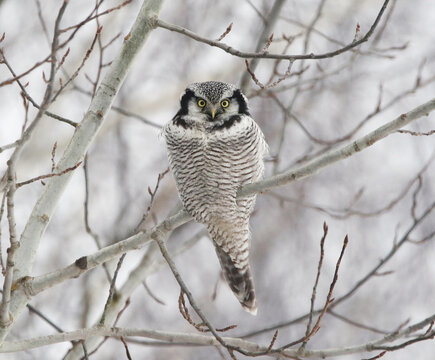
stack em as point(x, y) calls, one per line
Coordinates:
point(212, 101)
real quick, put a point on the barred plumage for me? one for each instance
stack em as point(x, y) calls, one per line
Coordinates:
point(214, 148)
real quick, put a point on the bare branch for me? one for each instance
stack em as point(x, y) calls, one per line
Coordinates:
point(46, 176)
point(272, 84)
point(123, 111)
point(88, 228)
point(112, 288)
point(248, 55)
point(29, 98)
point(225, 33)
point(416, 133)
point(201, 327)
point(355, 323)
point(316, 282)
point(185, 290)
point(205, 340)
point(85, 58)
point(272, 342)
point(152, 194)
point(126, 348)
point(377, 356)
point(329, 298)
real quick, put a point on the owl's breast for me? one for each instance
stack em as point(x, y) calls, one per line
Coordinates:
point(210, 166)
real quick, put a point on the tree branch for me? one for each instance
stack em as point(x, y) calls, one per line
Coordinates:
point(206, 340)
point(265, 55)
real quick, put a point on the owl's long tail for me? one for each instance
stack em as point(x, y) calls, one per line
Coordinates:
point(239, 278)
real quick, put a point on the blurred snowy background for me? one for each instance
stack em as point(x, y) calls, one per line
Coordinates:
point(368, 196)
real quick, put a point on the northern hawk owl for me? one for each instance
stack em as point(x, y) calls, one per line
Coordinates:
point(214, 148)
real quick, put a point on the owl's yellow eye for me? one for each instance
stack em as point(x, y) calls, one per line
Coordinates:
point(201, 103)
point(225, 103)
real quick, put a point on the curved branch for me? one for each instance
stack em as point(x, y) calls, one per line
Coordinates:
point(266, 55)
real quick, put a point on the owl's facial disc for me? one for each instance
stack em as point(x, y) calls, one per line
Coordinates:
point(212, 102)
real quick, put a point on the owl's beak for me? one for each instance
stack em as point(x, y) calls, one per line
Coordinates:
point(212, 112)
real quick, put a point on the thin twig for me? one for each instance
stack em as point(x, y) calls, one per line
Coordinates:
point(42, 21)
point(122, 111)
point(377, 356)
point(226, 32)
point(192, 302)
point(416, 133)
point(414, 196)
point(152, 194)
point(88, 228)
point(329, 298)
point(34, 310)
point(88, 19)
point(126, 348)
point(258, 12)
point(355, 323)
point(201, 327)
point(85, 350)
point(28, 71)
point(30, 99)
point(316, 282)
point(85, 58)
point(46, 176)
point(370, 52)
point(150, 293)
point(112, 289)
point(272, 342)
